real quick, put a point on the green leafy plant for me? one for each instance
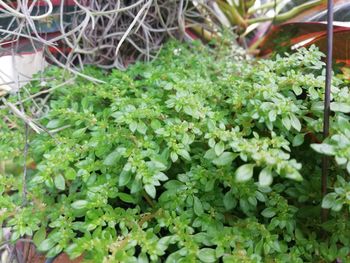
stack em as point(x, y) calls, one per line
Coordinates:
point(193, 157)
point(249, 17)
point(266, 27)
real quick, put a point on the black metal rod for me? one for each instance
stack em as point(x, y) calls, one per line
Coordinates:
point(327, 97)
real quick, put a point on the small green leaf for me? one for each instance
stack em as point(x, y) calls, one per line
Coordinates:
point(211, 125)
point(161, 176)
point(79, 204)
point(183, 153)
point(54, 251)
point(70, 173)
point(197, 206)
point(228, 258)
point(329, 200)
point(15, 235)
point(210, 154)
point(295, 122)
point(245, 172)
point(141, 127)
point(142, 258)
point(124, 178)
point(324, 148)
point(154, 164)
point(225, 158)
point(338, 205)
point(265, 177)
point(230, 201)
point(136, 186)
point(272, 116)
point(126, 198)
point(211, 143)
point(188, 110)
point(47, 244)
point(286, 123)
point(112, 158)
point(298, 140)
point(133, 126)
point(73, 250)
point(219, 251)
point(219, 148)
point(340, 107)
point(297, 90)
point(294, 175)
point(150, 190)
point(53, 124)
point(155, 124)
point(173, 157)
point(39, 236)
point(78, 133)
point(207, 255)
point(185, 139)
point(268, 212)
point(341, 160)
point(59, 182)
point(317, 106)
point(174, 257)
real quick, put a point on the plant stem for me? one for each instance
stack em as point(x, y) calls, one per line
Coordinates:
point(148, 199)
point(260, 19)
point(287, 15)
point(241, 7)
point(263, 6)
point(232, 14)
point(297, 10)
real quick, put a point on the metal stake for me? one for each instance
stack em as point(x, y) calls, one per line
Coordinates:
point(325, 159)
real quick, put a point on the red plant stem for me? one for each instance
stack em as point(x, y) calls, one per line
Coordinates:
point(325, 160)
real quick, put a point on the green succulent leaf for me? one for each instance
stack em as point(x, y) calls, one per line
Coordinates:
point(47, 244)
point(150, 190)
point(197, 206)
point(79, 204)
point(245, 172)
point(207, 255)
point(59, 182)
point(268, 212)
point(340, 107)
point(329, 200)
point(112, 158)
point(265, 177)
point(225, 158)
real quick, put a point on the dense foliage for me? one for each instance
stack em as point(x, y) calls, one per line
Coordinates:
point(195, 157)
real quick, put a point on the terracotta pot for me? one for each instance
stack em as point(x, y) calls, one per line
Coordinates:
point(34, 257)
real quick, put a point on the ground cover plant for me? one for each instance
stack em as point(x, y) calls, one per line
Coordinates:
point(198, 156)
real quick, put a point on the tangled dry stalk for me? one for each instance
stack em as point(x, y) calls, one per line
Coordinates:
point(73, 33)
point(106, 33)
